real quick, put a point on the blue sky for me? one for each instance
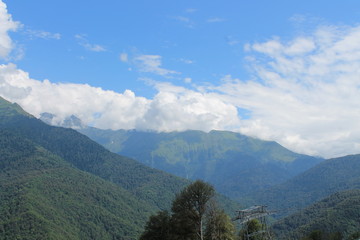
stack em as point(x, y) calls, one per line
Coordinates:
point(203, 40)
point(277, 70)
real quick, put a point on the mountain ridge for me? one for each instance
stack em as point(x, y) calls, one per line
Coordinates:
point(234, 163)
point(326, 178)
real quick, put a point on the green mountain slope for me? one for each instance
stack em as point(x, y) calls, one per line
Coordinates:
point(56, 183)
point(44, 197)
point(147, 184)
point(235, 164)
point(338, 213)
point(328, 177)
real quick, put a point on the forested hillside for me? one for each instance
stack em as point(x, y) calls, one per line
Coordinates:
point(235, 164)
point(326, 178)
point(336, 217)
point(58, 184)
point(44, 197)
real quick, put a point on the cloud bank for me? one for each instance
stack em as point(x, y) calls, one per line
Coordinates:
point(173, 108)
point(7, 25)
point(304, 94)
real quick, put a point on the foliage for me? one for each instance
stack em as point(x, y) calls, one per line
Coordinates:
point(218, 225)
point(150, 185)
point(250, 229)
point(319, 235)
point(328, 177)
point(326, 219)
point(158, 227)
point(58, 184)
point(193, 212)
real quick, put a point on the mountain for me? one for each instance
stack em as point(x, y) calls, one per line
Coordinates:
point(69, 122)
point(58, 184)
point(326, 178)
point(338, 213)
point(44, 197)
point(235, 164)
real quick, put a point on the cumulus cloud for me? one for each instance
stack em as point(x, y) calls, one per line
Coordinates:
point(152, 64)
point(178, 108)
point(6, 25)
point(172, 108)
point(95, 106)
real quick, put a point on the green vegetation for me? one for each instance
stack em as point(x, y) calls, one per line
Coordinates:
point(232, 162)
point(328, 177)
point(58, 184)
point(194, 216)
point(335, 217)
point(250, 230)
point(43, 197)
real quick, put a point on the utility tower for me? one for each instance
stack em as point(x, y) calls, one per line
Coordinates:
point(255, 212)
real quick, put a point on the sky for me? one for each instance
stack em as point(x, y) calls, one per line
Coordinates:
point(285, 71)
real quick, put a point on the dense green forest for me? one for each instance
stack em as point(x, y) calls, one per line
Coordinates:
point(235, 164)
point(326, 178)
point(44, 197)
point(335, 217)
point(58, 184)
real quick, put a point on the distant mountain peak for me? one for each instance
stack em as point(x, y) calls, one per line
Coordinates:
point(70, 122)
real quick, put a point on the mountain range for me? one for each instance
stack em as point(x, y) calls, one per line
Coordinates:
point(235, 164)
point(56, 183)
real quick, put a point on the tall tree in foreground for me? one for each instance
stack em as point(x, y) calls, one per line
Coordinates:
point(195, 216)
point(189, 208)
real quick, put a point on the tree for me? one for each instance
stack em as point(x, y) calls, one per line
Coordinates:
point(158, 227)
point(248, 232)
point(218, 224)
point(189, 208)
point(195, 216)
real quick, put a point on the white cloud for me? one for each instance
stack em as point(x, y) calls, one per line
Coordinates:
point(307, 93)
point(232, 41)
point(43, 34)
point(177, 108)
point(173, 108)
point(186, 61)
point(124, 57)
point(215, 20)
point(187, 80)
point(152, 64)
point(6, 25)
point(82, 40)
point(95, 106)
point(191, 10)
point(187, 21)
